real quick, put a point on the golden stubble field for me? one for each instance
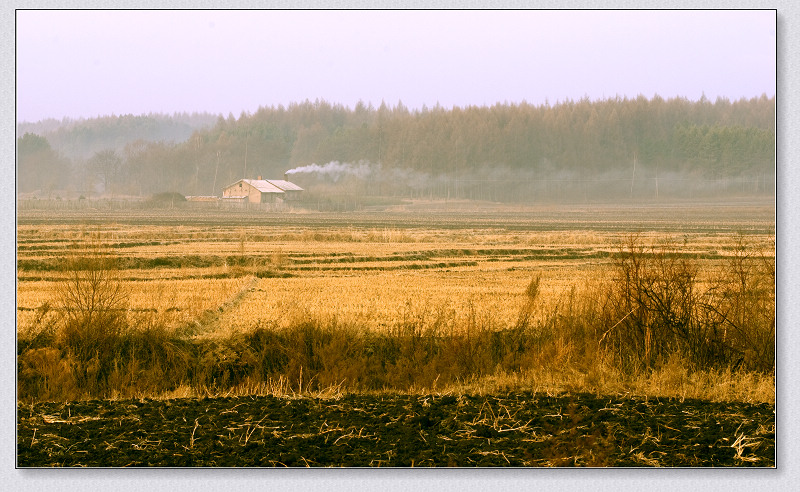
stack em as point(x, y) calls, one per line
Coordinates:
point(373, 270)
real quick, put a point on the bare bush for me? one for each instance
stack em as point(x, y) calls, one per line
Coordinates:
point(653, 302)
point(658, 306)
point(740, 305)
point(94, 304)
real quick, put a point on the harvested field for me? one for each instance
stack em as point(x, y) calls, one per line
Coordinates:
point(447, 337)
point(517, 430)
point(366, 265)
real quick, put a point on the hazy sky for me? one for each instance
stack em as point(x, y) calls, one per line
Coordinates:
point(79, 63)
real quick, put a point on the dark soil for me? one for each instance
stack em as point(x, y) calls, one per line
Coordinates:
point(518, 429)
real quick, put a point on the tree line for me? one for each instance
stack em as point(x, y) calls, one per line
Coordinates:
point(580, 140)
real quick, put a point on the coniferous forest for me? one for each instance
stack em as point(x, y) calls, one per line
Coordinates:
point(616, 148)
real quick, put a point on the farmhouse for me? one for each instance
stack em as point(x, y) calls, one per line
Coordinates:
point(261, 191)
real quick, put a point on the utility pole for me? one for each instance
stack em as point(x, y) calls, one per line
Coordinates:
point(197, 164)
point(214, 188)
point(656, 180)
point(245, 155)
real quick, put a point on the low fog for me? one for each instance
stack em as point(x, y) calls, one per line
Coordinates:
point(501, 184)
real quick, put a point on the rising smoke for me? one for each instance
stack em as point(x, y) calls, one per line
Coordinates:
point(335, 170)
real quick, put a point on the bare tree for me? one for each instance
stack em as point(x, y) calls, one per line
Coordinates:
point(106, 165)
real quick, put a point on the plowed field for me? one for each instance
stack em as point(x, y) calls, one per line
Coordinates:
point(518, 429)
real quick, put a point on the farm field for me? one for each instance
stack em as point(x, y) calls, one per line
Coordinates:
point(365, 266)
point(390, 307)
point(517, 429)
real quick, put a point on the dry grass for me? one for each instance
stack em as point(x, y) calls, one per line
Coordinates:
point(381, 300)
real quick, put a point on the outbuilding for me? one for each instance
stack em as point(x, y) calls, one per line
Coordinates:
point(291, 191)
point(254, 191)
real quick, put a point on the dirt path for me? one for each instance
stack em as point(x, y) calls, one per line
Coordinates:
point(209, 321)
point(519, 429)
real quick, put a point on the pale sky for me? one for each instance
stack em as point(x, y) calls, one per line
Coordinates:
point(79, 63)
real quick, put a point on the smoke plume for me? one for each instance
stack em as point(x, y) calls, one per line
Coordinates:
point(336, 170)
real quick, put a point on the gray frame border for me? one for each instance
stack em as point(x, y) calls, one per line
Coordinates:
point(443, 480)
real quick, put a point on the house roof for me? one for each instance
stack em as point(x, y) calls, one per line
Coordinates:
point(261, 185)
point(285, 185)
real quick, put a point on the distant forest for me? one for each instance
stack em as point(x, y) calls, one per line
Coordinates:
point(503, 152)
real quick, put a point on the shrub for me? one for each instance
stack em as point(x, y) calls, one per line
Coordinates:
point(657, 306)
point(653, 302)
point(94, 304)
point(166, 198)
point(740, 306)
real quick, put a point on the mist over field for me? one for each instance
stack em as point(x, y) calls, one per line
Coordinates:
point(503, 184)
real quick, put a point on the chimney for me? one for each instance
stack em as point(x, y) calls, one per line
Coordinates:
point(286, 176)
point(259, 177)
